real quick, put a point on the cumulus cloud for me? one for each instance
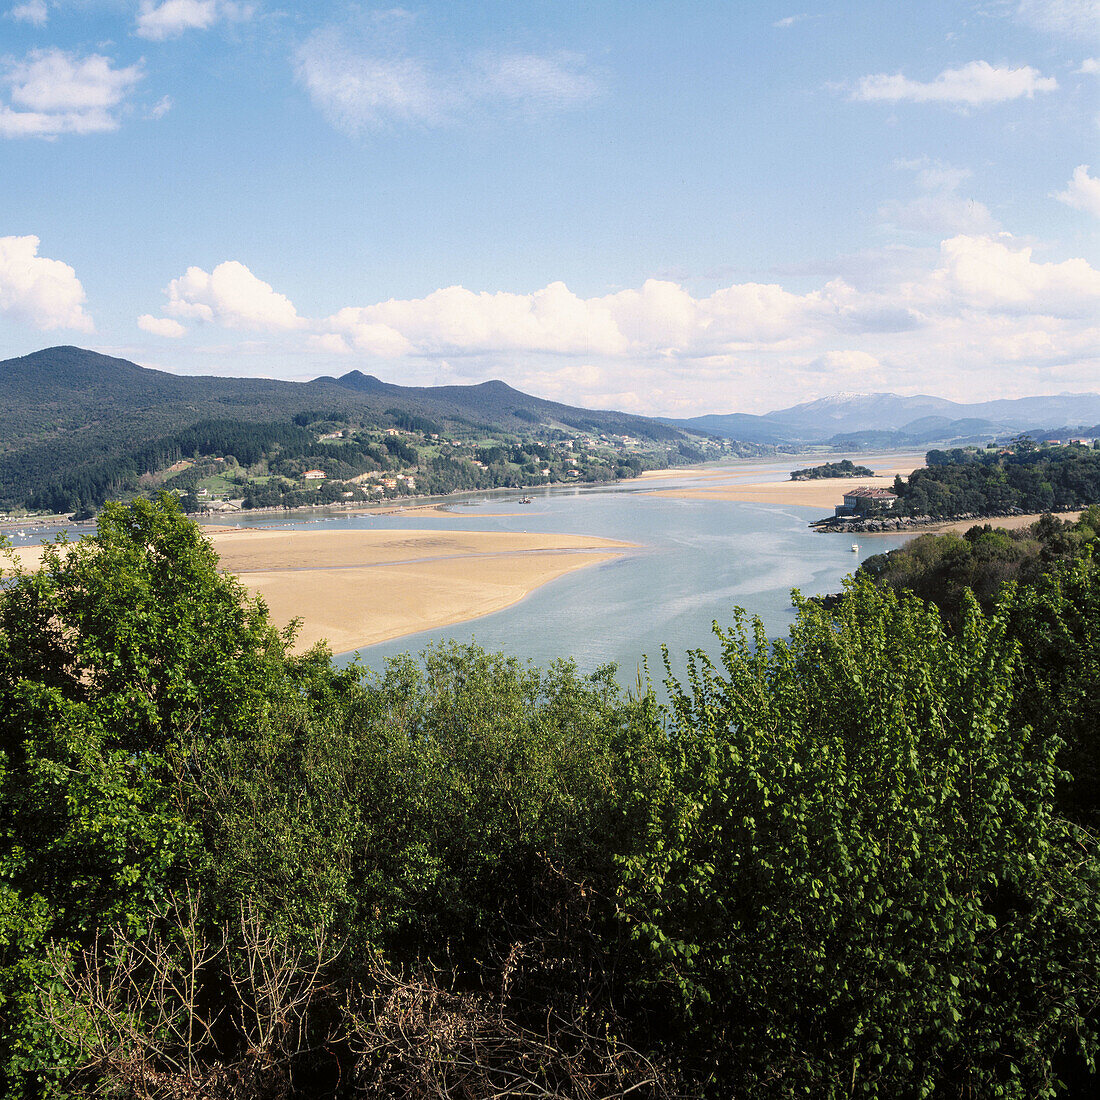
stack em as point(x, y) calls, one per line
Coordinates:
point(42, 292)
point(366, 84)
point(53, 92)
point(1082, 192)
point(661, 319)
point(171, 18)
point(231, 296)
point(1090, 66)
point(330, 342)
point(975, 84)
point(991, 276)
point(161, 326)
point(946, 321)
point(34, 11)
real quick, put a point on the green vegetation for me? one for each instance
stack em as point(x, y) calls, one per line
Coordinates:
point(1047, 575)
point(843, 864)
point(77, 428)
point(942, 568)
point(843, 468)
point(996, 482)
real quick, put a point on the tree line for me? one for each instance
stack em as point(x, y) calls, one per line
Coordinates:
point(857, 861)
point(1025, 478)
point(844, 468)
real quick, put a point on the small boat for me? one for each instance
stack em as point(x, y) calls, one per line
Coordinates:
point(525, 500)
point(855, 547)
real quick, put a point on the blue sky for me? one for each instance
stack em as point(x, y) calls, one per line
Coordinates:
point(666, 207)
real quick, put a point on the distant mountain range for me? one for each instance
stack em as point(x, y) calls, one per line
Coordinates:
point(887, 420)
point(96, 420)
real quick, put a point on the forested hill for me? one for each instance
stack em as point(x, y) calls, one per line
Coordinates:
point(66, 387)
point(77, 426)
point(497, 404)
point(990, 482)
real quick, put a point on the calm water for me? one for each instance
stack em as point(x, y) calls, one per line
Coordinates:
point(696, 561)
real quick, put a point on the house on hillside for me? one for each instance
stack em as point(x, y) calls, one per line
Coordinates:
point(314, 475)
point(866, 501)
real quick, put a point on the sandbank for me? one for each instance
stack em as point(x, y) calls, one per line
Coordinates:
point(733, 484)
point(357, 588)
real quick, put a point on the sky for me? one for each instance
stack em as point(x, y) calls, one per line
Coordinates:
point(670, 208)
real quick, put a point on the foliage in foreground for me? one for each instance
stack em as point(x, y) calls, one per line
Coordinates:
point(1054, 616)
point(835, 865)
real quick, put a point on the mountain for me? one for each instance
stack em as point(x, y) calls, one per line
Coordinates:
point(68, 389)
point(497, 404)
point(100, 421)
point(886, 419)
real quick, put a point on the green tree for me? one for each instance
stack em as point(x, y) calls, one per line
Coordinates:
point(853, 881)
point(122, 660)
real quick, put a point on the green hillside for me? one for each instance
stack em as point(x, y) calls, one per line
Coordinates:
point(77, 428)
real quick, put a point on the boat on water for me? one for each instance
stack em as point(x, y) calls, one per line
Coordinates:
point(525, 500)
point(855, 547)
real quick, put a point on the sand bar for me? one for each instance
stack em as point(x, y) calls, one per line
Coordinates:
point(735, 484)
point(357, 588)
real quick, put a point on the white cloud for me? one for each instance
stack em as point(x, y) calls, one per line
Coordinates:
point(52, 92)
point(34, 11)
point(232, 296)
point(979, 313)
point(555, 82)
point(330, 342)
point(356, 92)
point(45, 293)
point(171, 18)
point(161, 326)
point(847, 363)
point(366, 85)
point(789, 21)
point(1076, 18)
point(944, 326)
point(975, 84)
point(661, 318)
point(989, 275)
point(1082, 192)
point(940, 209)
point(1090, 66)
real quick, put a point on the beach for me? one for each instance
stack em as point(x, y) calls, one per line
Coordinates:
point(737, 485)
point(356, 588)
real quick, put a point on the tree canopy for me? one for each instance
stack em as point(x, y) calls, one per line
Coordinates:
point(856, 861)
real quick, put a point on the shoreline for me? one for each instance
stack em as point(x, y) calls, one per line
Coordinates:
point(733, 485)
point(429, 507)
point(355, 589)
